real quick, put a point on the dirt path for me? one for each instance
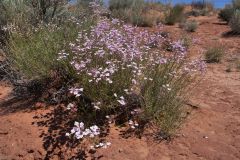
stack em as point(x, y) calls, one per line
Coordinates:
point(211, 132)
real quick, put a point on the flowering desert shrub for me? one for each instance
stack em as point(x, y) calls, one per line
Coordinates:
point(117, 70)
point(120, 68)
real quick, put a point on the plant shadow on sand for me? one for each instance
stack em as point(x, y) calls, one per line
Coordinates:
point(54, 121)
point(57, 124)
point(15, 104)
point(230, 34)
point(59, 121)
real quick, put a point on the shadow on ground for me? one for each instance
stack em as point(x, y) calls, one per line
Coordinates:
point(15, 104)
point(57, 123)
point(230, 34)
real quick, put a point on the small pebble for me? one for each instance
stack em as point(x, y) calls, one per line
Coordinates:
point(120, 150)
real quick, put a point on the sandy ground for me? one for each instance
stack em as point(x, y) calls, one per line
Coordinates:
point(211, 131)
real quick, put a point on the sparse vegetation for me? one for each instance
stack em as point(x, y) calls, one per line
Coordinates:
point(186, 41)
point(214, 54)
point(35, 53)
point(235, 22)
point(175, 15)
point(201, 8)
point(191, 26)
point(137, 12)
point(199, 4)
point(196, 12)
point(228, 12)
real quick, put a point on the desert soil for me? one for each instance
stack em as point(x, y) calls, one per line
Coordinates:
point(210, 132)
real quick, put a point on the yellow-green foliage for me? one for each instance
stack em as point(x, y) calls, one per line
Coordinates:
point(214, 54)
point(34, 55)
point(191, 26)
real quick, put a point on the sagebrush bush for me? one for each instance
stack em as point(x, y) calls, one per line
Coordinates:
point(235, 22)
point(129, 10)
point(201, 5)
point(197, 12)
point(34, 54)
point(228, 11)
point(191, 26)
point(34, 11)
point(174, 15)
point(186, 41)
point(137, 12)
point(214, 54)
point(118, 4)
point(23, 15)
point(161, 97)
point(226, 14)
point(37, 32)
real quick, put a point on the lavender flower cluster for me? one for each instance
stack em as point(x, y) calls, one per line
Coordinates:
point(112, 59)
point(79, 131)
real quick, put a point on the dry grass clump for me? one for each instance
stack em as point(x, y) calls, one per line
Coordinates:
point(201, 8)
point(214, 54)
point(191, 26)
point(235, 22)
point(137, 12)
point(174, 15)
point(227, 13)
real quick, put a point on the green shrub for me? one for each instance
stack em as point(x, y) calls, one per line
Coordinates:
point(22, 12)
point(191, 26)
point(201, 4)
point(127, 4)
point(137, 12)
point(162, 99)
point(129, 10)
point(197, 12)
point(201, 8)
point(34, 55)
point(175, 15)
point(214, 54)
point(235, 22)
point(121, 70)
point(226, 14)
point(23, 15)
